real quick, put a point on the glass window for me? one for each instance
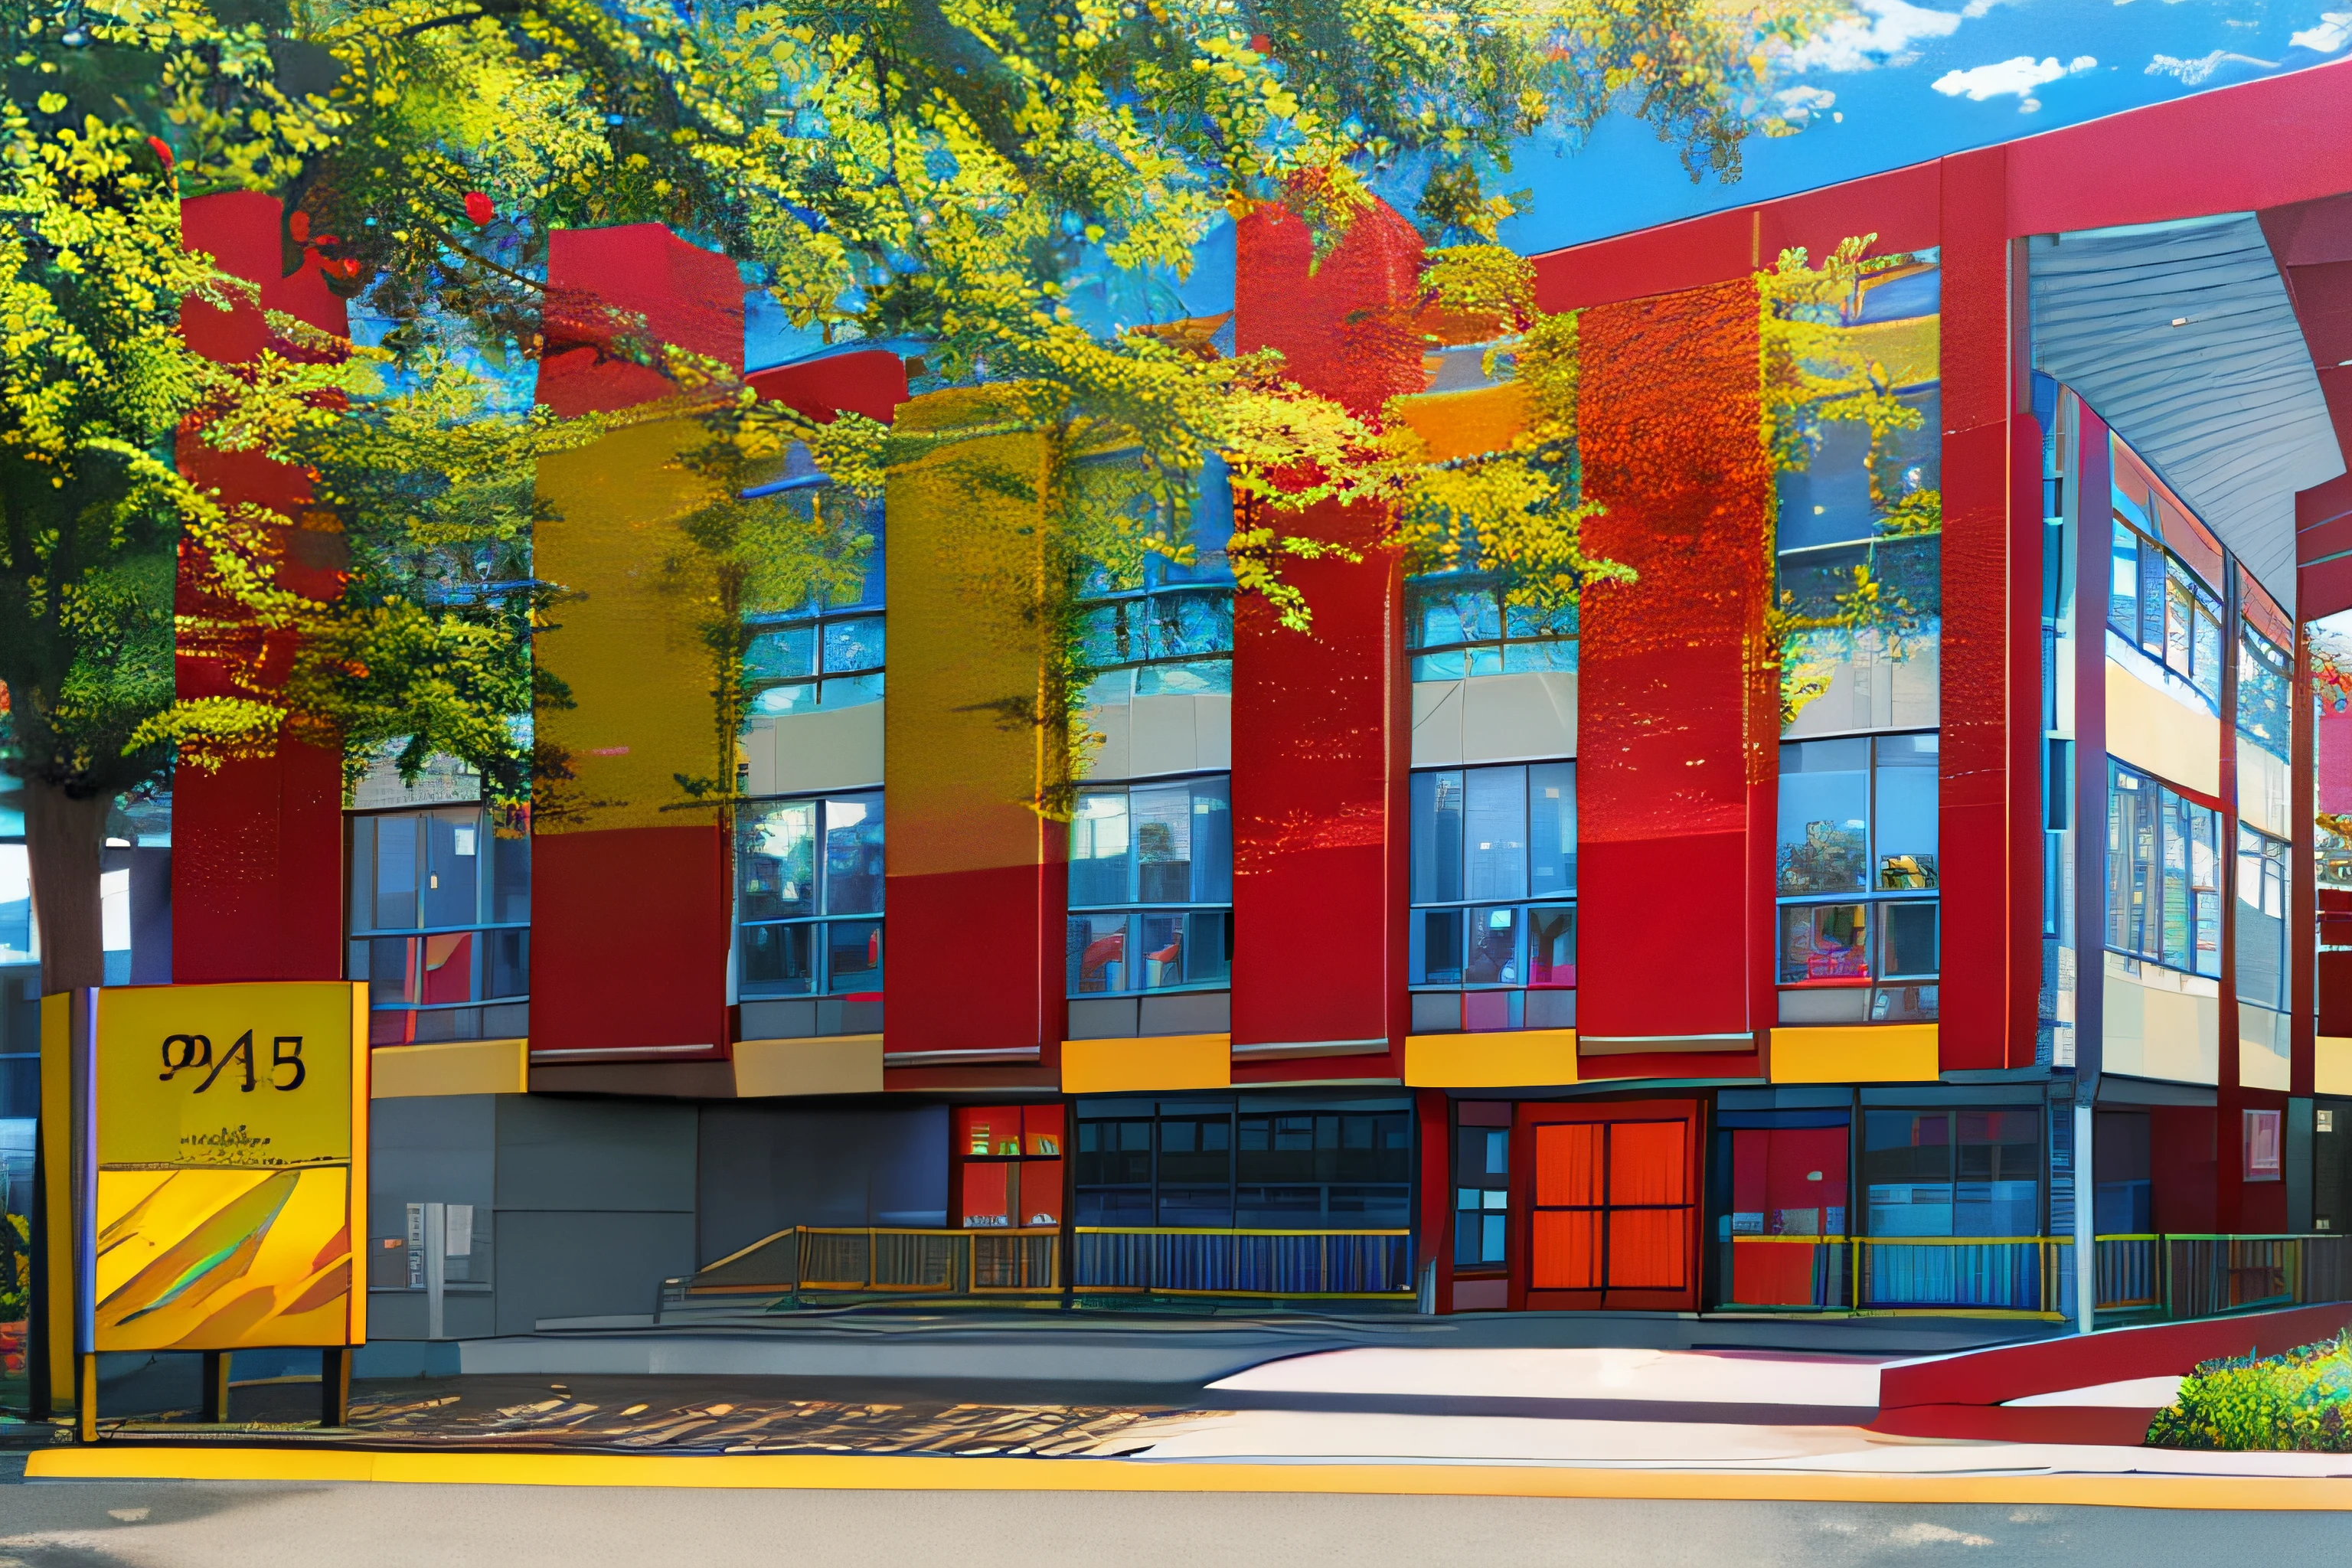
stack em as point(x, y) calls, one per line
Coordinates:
point(1954, 1172)
point(1824, 816)
point(1904, 812)
point(1494, 831)
point(1100, 855)
point(438, 915)
point(1211, 1165)
point(1482, 841)
point(1823, 941)
point(1907, 939)
point(2263, 702)
point(1482, 1174)
point(2158, 602)
point(1150, 847)
point(2163, 875)
point(1860, 815)
point(1456, 624)
point(1551, 830)
point(1551, 946)
point(2262, 920)
point(1437, 837)
point(796, 863)
point(1168, 638)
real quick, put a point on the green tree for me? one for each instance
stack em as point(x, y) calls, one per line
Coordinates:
point(887, 167)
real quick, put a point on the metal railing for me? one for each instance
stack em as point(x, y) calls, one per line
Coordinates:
point(2198, 1276)
point(1172, 1261)
point(2172, 1276)
point(863, 1260)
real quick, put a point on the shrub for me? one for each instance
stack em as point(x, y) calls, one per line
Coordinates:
point(2298, 1400)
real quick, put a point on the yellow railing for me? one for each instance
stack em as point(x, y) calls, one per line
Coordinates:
point(1181, 1261)
point(882, 1260)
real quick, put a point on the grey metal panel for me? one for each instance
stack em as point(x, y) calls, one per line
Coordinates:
point(2116, 1089)
point(1102, 1018)
point(1827, 1096)
point(562, 1154)
point(1185, 1013)
point(1956, 1094)
point(578, 1264)
point(2225, 406)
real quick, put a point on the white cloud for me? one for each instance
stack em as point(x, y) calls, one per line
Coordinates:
point(2196, 72)
point(2334, 30)
point(2020, 76)
point(1883, 34)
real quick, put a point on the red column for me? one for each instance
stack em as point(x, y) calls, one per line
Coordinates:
point(1676, 718)
point(256, 864)
point(1321, 722)
point(1990, 679)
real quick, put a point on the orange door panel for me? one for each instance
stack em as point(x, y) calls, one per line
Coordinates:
point(1609, 1195)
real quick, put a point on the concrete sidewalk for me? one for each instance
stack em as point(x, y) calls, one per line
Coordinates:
point(1139, 1347)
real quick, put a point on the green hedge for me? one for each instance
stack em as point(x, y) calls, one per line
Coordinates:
point(2300, 1400)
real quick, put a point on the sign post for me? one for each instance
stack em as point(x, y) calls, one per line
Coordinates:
point(218, 1159)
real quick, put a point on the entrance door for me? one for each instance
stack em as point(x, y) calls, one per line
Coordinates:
point(1611, 1196)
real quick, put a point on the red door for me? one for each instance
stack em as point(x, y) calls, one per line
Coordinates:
point(1611, 1196)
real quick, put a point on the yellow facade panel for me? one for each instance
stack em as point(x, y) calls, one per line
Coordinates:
point(451, 1067)
point(2331, 1060)
point(1858, 1053)
point(1155, 1062)
point(1506, 1059)
point(824, 1064)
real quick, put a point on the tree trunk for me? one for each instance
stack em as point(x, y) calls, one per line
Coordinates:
point(63, 834)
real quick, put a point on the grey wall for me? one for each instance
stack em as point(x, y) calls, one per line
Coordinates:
point(765, 1164)
point(584, 1206)
point(436, 1151)
point(596, 1206)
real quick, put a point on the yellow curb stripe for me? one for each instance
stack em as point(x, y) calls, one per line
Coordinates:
point(931, 1473)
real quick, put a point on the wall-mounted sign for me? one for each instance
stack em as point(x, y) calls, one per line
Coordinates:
point(223, 1158)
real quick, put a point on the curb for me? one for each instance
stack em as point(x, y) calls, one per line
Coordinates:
point(929, 1473)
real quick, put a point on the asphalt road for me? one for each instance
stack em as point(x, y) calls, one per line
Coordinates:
point(177, 1524)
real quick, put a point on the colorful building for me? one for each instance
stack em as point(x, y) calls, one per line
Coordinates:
point(1914, 890)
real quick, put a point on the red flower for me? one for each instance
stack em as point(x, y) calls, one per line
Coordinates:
point(161, 151)
point(298, 228)
point(479, 207)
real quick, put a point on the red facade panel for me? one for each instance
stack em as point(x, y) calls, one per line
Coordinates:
point(1676, 718)
point(872, 382)
point(1320, 726)
point(1989, 678)
point(257, 872)
point(629, 940)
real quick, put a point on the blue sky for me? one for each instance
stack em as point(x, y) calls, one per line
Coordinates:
point(1908, 83)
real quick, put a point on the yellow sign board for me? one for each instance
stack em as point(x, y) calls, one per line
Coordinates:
point(229, 1125)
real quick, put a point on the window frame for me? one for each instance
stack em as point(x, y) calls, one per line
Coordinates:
point(1230, 1116)
point(1524, 907)
point(819, 613)
point(2272, 860)
point(2153, 923)
point(820, 958)
point(1135, 911)
point(1119, 679)
point(360, 940)
point(2160, 570)
point(1878, 901)
point(1425, 657)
